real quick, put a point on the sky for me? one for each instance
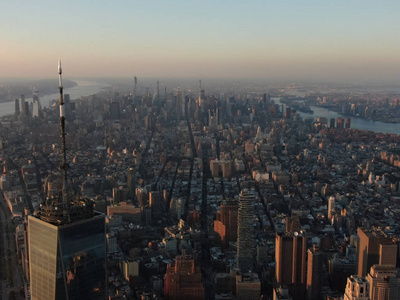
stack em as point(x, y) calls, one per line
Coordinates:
point(337, 40)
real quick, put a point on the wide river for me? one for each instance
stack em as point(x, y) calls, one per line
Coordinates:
point(82, 88)
point(357, 123)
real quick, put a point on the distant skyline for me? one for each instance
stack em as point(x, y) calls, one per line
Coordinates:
point(355, 41)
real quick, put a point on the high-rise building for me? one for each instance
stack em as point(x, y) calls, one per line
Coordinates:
point(226, 222)
point(131, 183)
point(215, 167)
point(17, 111)
point(248, 286)
point(180, 104)
point(357, 288)
point(114, 111)
point(332, 123)
point(118, 195)
point(67, 261)
point(24, 111)
point(339, 123)
point(245, 231)
point(347, 123)
point(288, 113)
point(372, 244)
point(142, 196)
point(183, 280)
point(155, 204)
point(331, 206)
point(227, 168)
point(67, 242)
point(340, 269)
point(314, 271)
point(36, 105)
point(383, 282)
point(290, 258)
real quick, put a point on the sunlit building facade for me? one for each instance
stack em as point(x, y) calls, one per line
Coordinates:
point(67, 261)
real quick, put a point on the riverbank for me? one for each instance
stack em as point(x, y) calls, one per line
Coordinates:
point(82, 88)
point(356, 123)
point(383, 120)
point(13, 89)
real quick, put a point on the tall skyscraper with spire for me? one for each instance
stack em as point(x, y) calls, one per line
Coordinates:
point(245, 231)
point(67, 248)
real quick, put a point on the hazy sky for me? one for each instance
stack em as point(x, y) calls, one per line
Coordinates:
point(308, 39)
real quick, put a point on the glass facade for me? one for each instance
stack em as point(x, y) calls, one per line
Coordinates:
point(42, 258)
point(68, 261)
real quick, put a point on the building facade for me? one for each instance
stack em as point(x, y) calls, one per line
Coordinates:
point(67, 261)
point(245, 231)
point(183, 280)
point(290, 258)
point(225, 224)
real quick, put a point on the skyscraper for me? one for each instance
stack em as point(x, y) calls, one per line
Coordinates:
point(290, 258)
point(67, 260)
point(383, 282)
point(36, 105)
point(17, 112)
point(180, 108)
point(226, 222)
point(372, 244)
point(155, 204)
point(245, 231)
point(314, 271)
point(357, 288)
point(131, 183)
point(183, 280)
point(24, 111)
point(67, 242)
point(331, 206)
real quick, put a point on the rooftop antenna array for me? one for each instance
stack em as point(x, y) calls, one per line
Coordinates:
point(67, 208)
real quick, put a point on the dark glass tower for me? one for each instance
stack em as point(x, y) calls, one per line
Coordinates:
point(67, 261)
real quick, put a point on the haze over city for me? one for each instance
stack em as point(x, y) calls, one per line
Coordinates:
point(202, 150)
point(354, 41)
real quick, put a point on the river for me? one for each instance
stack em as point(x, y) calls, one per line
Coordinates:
point(86, 88)
point(357, 123)
point(82, 88)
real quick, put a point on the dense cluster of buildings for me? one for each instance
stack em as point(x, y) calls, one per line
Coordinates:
point(200, 196)
point(371, 106)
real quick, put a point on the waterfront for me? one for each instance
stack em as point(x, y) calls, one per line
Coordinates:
point(86, 88)
point(82, 88)
point(356, 122)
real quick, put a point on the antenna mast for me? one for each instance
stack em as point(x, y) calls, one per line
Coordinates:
point(64, 165)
